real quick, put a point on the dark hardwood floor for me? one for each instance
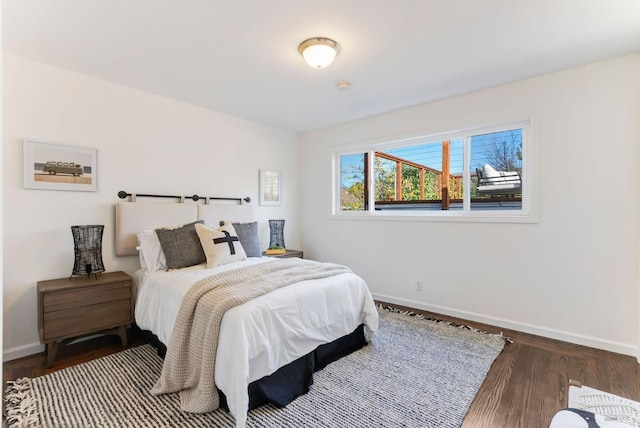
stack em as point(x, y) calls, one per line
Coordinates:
point(526, 386)
point(529, 381)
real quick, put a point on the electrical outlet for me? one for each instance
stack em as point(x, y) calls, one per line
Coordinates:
point(419, 285)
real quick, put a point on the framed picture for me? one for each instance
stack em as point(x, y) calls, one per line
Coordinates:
point(56, 167)
point(270, 187)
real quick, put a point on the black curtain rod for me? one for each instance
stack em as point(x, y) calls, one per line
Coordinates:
point(122, 194)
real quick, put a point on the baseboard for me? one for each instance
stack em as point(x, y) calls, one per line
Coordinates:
point(565, 336)
point(35, 348)
point(22, 351)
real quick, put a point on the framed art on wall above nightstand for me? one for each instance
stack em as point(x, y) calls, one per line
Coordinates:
point(57, 167)
point(270, 187)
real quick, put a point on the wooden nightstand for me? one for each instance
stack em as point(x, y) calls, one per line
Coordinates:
point(288, 254)
point(71, 308)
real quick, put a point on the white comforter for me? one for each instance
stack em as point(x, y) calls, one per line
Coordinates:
point(256, 337)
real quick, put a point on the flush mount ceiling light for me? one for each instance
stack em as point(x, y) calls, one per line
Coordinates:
point(319, 52)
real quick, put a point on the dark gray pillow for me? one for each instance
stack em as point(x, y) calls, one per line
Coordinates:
point(181, 246)
point(249, 238)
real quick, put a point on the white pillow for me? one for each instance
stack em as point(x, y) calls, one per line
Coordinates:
point(221, 246)
point(151, 255)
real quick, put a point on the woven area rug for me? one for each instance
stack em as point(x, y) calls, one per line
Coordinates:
point(613, 407)
point(415, 373)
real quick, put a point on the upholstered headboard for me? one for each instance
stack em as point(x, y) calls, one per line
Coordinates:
point(134, 217)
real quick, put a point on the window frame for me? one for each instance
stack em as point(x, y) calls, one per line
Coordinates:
point(527, 214)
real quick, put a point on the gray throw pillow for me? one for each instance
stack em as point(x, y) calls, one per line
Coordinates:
point(181, 245)
point(249, 238)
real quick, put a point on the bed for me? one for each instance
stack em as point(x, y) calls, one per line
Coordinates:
point(268, 347)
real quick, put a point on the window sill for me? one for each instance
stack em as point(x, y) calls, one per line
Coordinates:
point(439, 216)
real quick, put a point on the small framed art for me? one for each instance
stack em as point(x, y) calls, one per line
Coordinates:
point(270, 187)
point(57, 167)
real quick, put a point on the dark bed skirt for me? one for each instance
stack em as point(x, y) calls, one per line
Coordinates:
point(294, 379)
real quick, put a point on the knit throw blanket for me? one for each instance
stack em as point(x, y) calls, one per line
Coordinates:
point(189, 365)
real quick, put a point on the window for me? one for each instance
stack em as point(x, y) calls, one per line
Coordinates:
point(474, 173)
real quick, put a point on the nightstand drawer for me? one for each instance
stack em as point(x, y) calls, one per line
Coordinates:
point(86, 319)
point(85, 296)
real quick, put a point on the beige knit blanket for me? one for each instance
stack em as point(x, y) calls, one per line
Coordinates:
point(189, 365)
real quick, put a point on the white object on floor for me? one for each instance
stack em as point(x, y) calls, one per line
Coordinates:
point(607, 410)
point(567, 418)
point(605, 404)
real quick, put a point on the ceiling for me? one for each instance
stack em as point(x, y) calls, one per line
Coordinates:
point(240, 57)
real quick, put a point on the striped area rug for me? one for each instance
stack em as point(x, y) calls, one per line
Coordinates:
point(415, 373)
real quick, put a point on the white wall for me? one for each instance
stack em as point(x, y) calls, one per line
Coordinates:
point(146, 144)
point(572, 275)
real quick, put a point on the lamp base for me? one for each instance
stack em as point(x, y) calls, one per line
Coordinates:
point(87, 275)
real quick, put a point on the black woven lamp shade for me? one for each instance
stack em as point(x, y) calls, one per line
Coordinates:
point(87, 246)
point(277, 233)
